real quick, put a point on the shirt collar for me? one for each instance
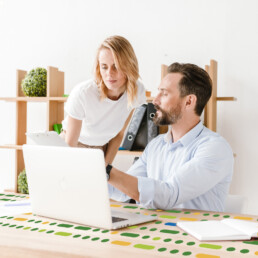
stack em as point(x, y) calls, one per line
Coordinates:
point(188, 137)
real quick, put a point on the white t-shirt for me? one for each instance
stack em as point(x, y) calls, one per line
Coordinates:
point(103, 119)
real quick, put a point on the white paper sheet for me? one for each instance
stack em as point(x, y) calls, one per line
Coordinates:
point(15, 208)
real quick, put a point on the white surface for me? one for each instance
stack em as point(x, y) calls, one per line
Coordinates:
point(160, 32)
point(227, 229)
point(15, 208)
point(50, 138)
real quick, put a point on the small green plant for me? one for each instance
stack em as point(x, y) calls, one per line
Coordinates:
point(35, 83)
point(22, 183)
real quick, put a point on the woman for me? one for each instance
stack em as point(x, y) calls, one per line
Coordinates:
point(99, 110)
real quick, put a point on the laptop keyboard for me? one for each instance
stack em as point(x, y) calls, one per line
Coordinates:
point(116, 219)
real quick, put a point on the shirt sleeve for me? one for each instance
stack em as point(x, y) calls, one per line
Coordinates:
point(211, 162)
point(137, 169)
point(74, 106)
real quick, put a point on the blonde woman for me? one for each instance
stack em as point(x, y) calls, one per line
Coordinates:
point(99, 109)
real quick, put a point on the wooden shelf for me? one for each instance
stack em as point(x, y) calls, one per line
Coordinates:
point(226, 98)
point(11, 146)
point(127, 152)
point(150, 99)
point(55, 111)
point(34, 99)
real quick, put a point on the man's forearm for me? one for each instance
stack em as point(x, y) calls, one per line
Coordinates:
point(125, 183)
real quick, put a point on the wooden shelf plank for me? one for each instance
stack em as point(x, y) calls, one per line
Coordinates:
point(45, 99)
point(34, 99)
point(150, 99)
point(226, 98)
point(11, 146)
point(127, 152)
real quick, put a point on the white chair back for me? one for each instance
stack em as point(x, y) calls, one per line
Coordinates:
point(235, 203)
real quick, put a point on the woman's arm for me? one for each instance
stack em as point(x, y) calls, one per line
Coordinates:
point(114, 143)
point(73, 131)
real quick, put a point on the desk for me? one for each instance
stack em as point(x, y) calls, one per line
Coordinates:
point(28, 235)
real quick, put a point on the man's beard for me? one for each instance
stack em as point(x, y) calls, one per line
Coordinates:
point(168, 118)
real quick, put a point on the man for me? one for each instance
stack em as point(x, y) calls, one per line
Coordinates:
point(190, 166)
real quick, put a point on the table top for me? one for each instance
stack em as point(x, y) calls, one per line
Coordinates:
point(33, 236)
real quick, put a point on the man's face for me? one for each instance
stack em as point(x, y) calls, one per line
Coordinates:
point(168, 101)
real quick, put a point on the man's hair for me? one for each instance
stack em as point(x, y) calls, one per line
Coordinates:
point(125, 60)
point(195, 81)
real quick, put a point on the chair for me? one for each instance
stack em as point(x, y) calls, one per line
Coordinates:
point(235, 203)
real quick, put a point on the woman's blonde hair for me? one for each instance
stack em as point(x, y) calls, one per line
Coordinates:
point(125, 60)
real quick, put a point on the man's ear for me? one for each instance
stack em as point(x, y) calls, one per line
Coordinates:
point(190, 101)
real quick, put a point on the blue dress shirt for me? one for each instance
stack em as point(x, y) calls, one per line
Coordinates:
point(193, 173)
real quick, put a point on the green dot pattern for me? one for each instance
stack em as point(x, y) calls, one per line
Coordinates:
point(146, 244)
point(210, 246)
point(251, 242)
point(129, 234)
point(173, 211)
point(146, 247)
point(167, 217)
point(65, 225)
point(191, 243)
point(82, 228)
point(95, 239)
point(187, 253)
point(169, 231)
point(62, 234)
point(244, 251)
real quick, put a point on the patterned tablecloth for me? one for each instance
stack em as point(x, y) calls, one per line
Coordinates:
point(159, 238)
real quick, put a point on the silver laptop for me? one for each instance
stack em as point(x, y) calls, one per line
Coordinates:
point(50, 138)
point(70, 184)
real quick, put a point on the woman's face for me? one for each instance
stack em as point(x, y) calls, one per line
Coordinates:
point(113, 78)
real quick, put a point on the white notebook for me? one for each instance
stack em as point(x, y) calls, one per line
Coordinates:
point(226, 229)
point(50, 138)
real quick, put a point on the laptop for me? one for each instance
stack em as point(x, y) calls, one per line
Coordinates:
point(50, 138)
point(70, 184)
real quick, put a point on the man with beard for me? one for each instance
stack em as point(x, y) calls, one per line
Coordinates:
point(188, 167)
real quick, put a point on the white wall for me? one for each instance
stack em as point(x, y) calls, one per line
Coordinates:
point(66, 33)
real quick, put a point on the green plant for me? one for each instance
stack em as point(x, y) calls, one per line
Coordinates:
point(22, 183)
point(35, 83)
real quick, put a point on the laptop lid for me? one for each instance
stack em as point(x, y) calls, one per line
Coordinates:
point(68, 184)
